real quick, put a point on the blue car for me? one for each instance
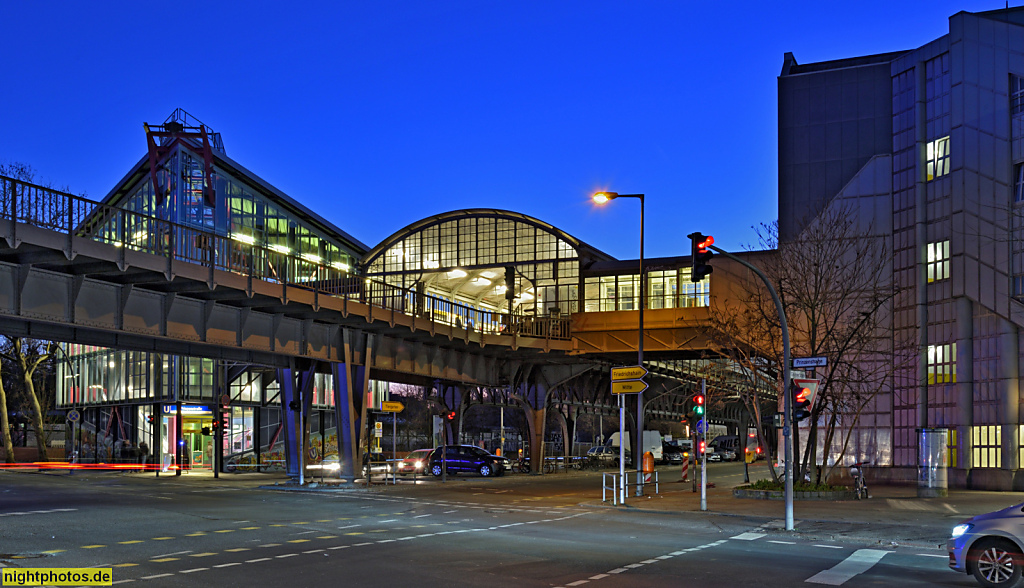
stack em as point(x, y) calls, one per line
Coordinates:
point(990, 546)
point(461, 459)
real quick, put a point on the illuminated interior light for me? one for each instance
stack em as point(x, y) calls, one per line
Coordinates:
point(431, 263)
point(456, 273)
point(311, 257)
point(489, 274)
point(501, 289)
point(341, 266)
point(243, 238)
point(526, 296)
point(481, 282)
point(280, 249)
point(139, 235)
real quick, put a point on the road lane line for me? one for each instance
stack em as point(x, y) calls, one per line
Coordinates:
point(598, 577)
point(237, 549)
point(578, 583)
point(285, 555)
point(859, 562)
point(941, 555)
point(192, 570)
point(782, 542)
point(829, 546)
point(258, 560)
point(228, 565)
point(748, 536)
point(155, 576)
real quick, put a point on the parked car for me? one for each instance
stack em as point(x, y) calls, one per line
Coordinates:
point(466, 459)
point(604, 454)
point(672, 454)
point(414, 463)
point(990, 546)
point(713, 456)
point(727, 454)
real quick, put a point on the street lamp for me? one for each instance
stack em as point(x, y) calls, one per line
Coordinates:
point(602, 198)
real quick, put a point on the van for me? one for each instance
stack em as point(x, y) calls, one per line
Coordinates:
point(651, 442)
point(732, 443)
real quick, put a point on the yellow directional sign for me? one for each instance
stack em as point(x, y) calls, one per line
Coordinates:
point(633, 372)
point(392, 406)
point(629, 387)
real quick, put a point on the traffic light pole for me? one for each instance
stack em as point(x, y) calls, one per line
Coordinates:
point(704, 456)
point(788, 397)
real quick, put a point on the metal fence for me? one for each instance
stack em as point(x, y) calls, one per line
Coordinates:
point(22, 202)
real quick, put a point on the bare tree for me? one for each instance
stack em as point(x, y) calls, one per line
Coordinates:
point(835, 284)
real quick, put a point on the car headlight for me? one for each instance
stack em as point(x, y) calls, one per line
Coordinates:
point(961, 529)
point(418, 464)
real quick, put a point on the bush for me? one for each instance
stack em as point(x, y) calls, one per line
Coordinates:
point(797, 486)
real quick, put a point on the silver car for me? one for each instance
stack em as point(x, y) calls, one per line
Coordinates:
point(990, 546)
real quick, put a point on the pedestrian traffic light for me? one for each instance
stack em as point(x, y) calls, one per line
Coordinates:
point(450, 415)
point(700, 255)
point(702, 446)
point(150, 419)
point(698, 406)
point(801, 401)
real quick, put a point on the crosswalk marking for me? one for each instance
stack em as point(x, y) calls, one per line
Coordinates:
point(748, 536)
point(859, 562)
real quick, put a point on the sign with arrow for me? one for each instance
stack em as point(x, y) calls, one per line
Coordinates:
point(633, 372)
point(628, 387)
point(392, 406)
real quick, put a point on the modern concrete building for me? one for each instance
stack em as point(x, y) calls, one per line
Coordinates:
point(926, 144)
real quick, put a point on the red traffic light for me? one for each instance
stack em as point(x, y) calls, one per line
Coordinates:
point(703, 446)
point(450, 416)
point(702, 246)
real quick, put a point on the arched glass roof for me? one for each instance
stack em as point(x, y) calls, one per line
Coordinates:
point(463, 255)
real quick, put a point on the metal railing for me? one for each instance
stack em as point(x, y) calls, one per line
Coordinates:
point(30, 204)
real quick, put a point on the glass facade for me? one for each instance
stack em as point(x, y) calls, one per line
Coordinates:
point(464, 260)
point(665, 289)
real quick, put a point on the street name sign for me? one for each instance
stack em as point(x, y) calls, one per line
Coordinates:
point(629, 387)
point(391, 406)
point(806, 362)
point(633, 372)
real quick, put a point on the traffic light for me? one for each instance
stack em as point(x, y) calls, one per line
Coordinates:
point(214, 426)
point(702, 447)
point(801, 402)
point(700, 255)
point(450, 415)
point(205, 430)
point(698, 406)
point(150, 419)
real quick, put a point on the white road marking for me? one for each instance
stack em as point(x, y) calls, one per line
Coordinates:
point(748, 536)
point(943, 556)
point(782, 542)
point(577, 583)
point(598, 577)
point(859, 562)
point(258, 560)
point(951, 508)
point(193, 570)
point(829, 546)
point(228, 565)
point(420, 516)
point(154, 577)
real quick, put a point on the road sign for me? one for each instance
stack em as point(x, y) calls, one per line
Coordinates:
point(74, 416)
point(629, 387)
point(805, 362)
point(702, 427)
point(633, 372)
point(378, 429)
point(392, 406)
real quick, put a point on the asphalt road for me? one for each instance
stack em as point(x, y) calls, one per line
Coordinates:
point(512, 531)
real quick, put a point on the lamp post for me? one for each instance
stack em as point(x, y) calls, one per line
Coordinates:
point(601, 198)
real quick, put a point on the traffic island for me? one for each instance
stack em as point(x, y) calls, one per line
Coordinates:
point(822, 492)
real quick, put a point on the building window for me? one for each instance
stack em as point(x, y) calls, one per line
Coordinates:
point(938, 158)
point(986, 441)
point(1018, 183)
point(938, 261)
point(942, 364)
point(1016, 94)
point(952, 450)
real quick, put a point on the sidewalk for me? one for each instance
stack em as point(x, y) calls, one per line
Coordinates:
point(892, 516)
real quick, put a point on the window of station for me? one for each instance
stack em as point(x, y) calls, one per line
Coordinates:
point(986, 443)
point(937, 158)
point(665, 289)
point(938, 261)
point(1018, 183)
point(942, 364)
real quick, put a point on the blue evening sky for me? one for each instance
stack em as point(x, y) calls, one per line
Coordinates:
point(376, 114)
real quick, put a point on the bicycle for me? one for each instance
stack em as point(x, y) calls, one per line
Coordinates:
point(860, 488)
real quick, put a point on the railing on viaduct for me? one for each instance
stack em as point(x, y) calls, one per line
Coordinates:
point(22, 202)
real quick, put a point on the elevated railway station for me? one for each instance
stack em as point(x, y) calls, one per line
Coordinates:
point(219, 321)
